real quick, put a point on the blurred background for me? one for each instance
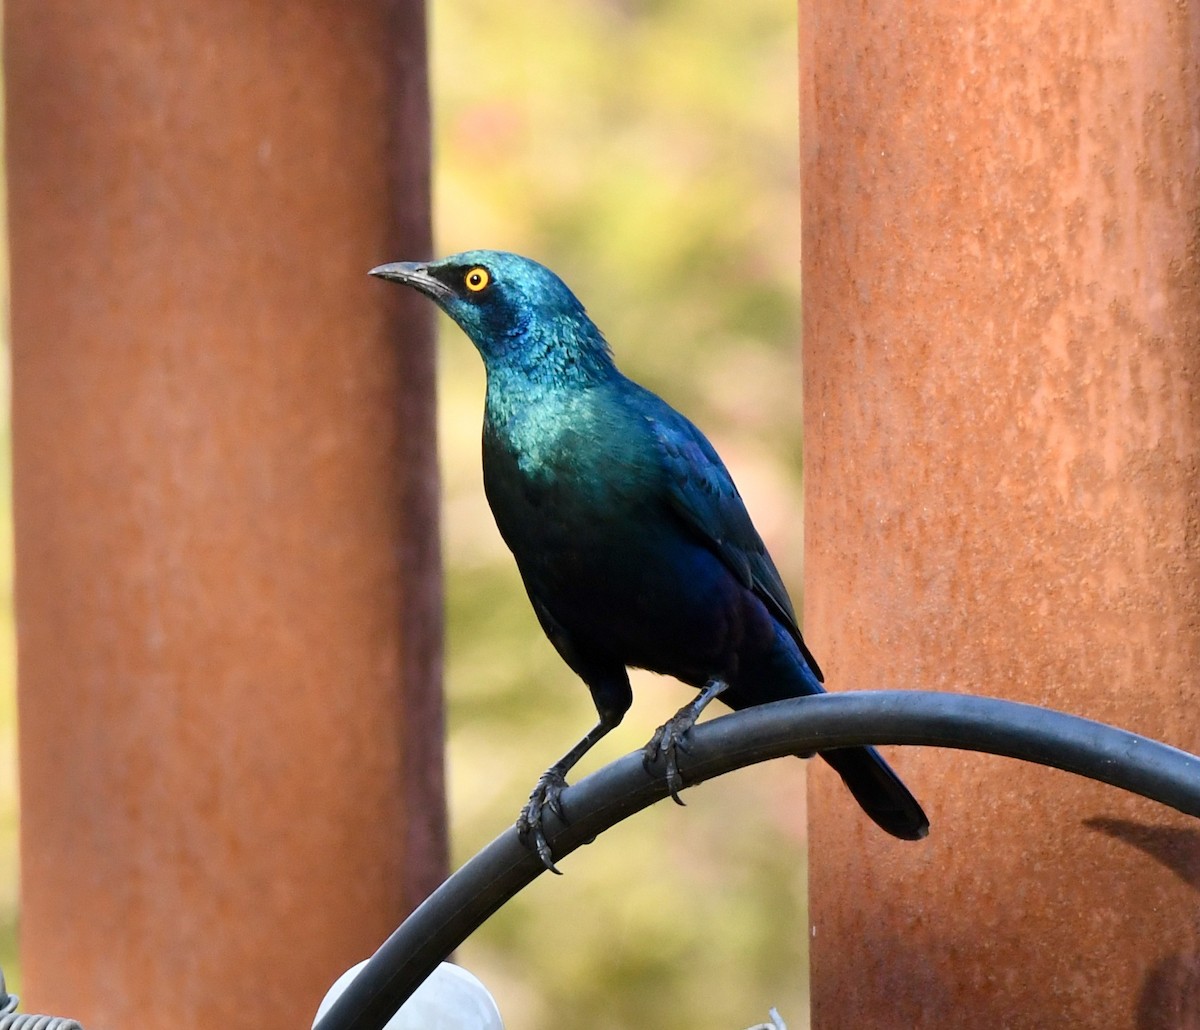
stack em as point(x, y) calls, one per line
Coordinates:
point(648, 153)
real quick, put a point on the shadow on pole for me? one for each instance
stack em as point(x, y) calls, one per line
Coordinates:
point(803, 725)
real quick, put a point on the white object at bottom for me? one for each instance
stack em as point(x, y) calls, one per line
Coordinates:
point(451, 999)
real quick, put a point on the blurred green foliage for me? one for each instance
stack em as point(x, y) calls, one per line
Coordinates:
point(8, 708)
point(9, 872)
point(648, 153)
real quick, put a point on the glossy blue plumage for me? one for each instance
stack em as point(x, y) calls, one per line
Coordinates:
point(632, 540)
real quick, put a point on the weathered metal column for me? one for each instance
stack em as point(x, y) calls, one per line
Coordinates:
point(1002, 347)
point(227, 584)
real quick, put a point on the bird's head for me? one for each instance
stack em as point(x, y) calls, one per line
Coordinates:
point(513, 309)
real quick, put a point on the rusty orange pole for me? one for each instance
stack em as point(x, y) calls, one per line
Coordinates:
point(227, 585)
point(1002, 408)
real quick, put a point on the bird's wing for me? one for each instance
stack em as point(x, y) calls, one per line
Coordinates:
point(703, 494)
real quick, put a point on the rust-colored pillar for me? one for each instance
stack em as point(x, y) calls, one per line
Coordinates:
point(1002, 405)
point(227, 585)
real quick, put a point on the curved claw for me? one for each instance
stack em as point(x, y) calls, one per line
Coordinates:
point(546, 794)
point(668, 740)
point(671, 737)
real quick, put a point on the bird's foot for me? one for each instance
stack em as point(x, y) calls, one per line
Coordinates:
point(547, 794)
point(668, 740)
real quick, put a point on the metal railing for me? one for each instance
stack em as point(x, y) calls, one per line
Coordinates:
point(594, 804)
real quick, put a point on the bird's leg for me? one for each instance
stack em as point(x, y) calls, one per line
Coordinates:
point(548, 793)
point(670, 737)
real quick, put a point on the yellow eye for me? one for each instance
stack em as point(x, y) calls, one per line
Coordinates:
point(477, 279)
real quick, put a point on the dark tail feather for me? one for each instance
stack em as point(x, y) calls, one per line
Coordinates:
point(782, 673)
point(879, 791)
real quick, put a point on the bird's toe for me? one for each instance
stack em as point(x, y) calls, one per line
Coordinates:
point(546, 795)
point(668, 740)
point(652, 750)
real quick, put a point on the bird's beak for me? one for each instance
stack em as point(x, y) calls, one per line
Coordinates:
point(414, 274)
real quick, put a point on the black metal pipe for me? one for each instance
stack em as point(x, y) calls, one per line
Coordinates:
point(461, 904)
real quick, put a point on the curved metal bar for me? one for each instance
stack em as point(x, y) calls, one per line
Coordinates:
point(1027, 732)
